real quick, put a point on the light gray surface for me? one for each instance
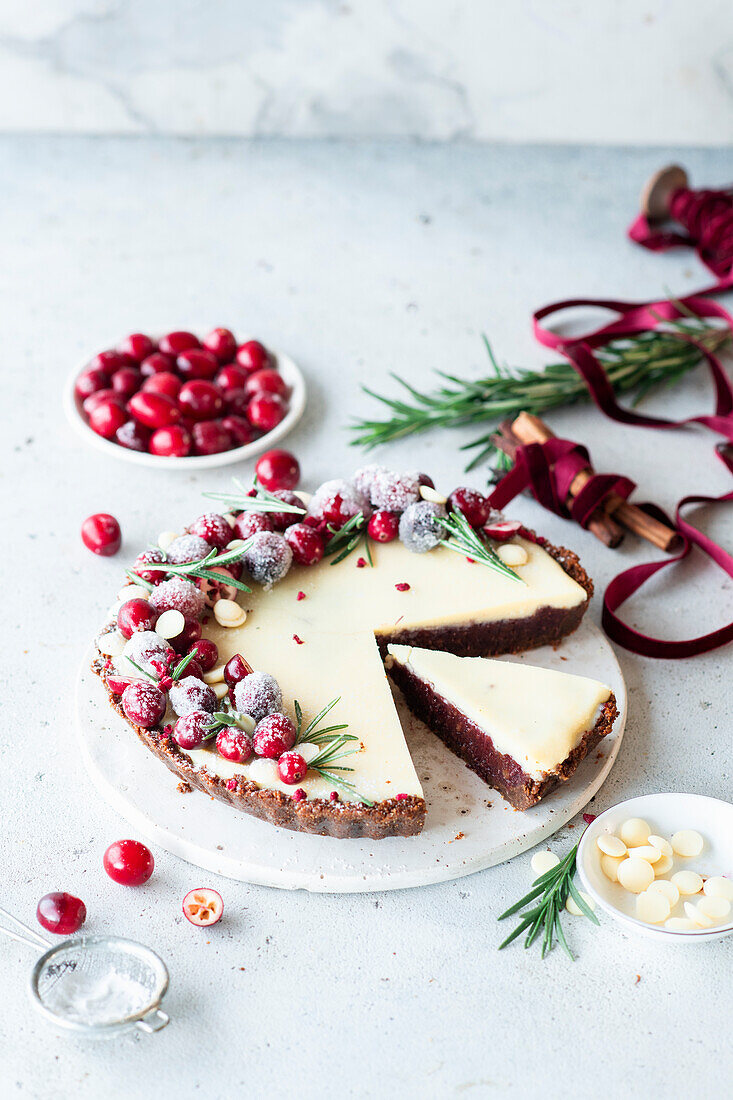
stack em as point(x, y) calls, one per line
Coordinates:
point(358, 261)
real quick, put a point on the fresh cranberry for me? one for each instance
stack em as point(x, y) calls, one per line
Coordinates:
point(136, 615)
point(239, 429)
point(291, 767)
point(142, 563)
point(383, 526)
point(266, 411)
point(253, 356)
point(200, 400)
point(474, 506)
point(212, 527)
point(204, 906)
point(175, 343)
point(221, 343)
point(154, 410)
point(194, 670)
point(190, 731)
point(278, 470)
point(138, 346)
point(210, 438)
point(299, 795)
point(237, 402)
point(110, 361)
point(101, 534)
point(426, 480)
point(266, 381)
point(107, 417)
point(191, 633)
point(172, 442)
point(249, 523)
point(61, 913)
point(133, 436)
point(166, 382)
point(197, 363)
point(230, 377)
point(306, 544)
point(274, 735)
point(143, 703)
point(128, 862)
point(281, 520)
point(101, 397)
point(205, 651)
point(126, 381)
point(235, 670)
point(89, 381)
point(157, 363)
point(234, 745)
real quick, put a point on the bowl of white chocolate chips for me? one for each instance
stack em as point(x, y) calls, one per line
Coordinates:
point(662, 865)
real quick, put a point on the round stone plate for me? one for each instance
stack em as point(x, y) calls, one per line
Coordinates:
point(468, 826)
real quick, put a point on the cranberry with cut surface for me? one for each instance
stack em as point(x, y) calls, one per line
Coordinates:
point(266, 381)
point(143, 562)
point(89, 382)
point(210, 438)
point(117, 683)
point(133, 436)
point(265, 411)
point(221, 343)
point(253, 356)
point(175, 343)
point(136, 615)
point(474, 505)
point(200, 400)
point(214, 528)
point(191, 730)
point(143, 703)
point(239, 429)
point(174, 442)
point(107, 417)
point(234, 744)
point(306, 543)
point(126, 381)
point(249, 523)
point(235, 670)
point(138, 346)
point(205, 651)
point(203, 907)
point(101, 534)
point(61, 913)
point(197, 363)
point(230, 377)
point(291, 767)
point(274, 735)
point(128, 862)
point(502, 530)
point(383, 526)
point(157, 363)
point(154, 410)
point(278, 470)
point(167, 383)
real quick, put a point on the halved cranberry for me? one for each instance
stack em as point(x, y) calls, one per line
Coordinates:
point(306, 543)
point(278, 470)
point(230, 377)
point(383, 526)
point(203, 907)
point(61, 913)
point(101, 397)
point(89, 381)
point(191, 633)
point(502, 530)
point(128, 862)
point(175, 343)
point(141, 566)
point(107, 417)
point(197, 363)
point(236, 402)
point(235, 670)
point(172, 442)
point(291, 767)
point(126, 381)
point(266, 411)
point(136, 615)
point(249, 523)
point(101, 534)
point(200, 400)
point(157, 363)
point(206, 652)
point(138, 346)
point(210, 437)
point(221, 343)
point(474, 505)
point(190, 730)
point(167, 383)
point(154, 410)
point(143, 703)
point(110, 361)
point(266, 381)
point(213, 528)
point(239, 429)
point(117, 683)
point(274, 735)
point(253, 356)
point(133, 436)
point(234, 745)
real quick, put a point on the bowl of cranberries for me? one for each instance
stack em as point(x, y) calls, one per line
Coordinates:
point(185, 402)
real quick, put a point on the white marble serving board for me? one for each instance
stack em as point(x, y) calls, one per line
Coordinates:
point(469, 826)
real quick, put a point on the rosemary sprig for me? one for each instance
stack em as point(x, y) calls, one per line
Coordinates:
point(332, 743)
point(640, 363)
point(203, 568)
point(464, 540)
point(314, 735)
point(345, 539)
point(262, 501)
point(221, 719)
point(552, 889)
point(175, 674)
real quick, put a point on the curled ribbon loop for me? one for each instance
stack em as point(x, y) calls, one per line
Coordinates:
point(708, 218)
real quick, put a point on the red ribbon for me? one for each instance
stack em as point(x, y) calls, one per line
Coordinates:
point(708, 218)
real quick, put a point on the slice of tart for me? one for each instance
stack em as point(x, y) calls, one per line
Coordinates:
point(523, 729)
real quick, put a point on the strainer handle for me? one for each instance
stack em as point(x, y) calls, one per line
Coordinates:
point(154, 1021)
point(23, 933)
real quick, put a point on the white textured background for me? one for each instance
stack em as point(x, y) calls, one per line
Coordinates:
point(619, 71)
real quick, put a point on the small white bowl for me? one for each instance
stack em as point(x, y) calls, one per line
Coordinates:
point(666, 814)
point(291, 375)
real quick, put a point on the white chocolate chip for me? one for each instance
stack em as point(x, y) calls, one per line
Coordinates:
point(308, 751)
point(165, 538)
point(512, 553)
point(679, 924)
point(634, 831)
point(542, 862)
point(230, 518)
point(132, 592)
point(611, 845)
point(667, 889)
point(572, 906)
point(215, 675)
point(264, 772)
point(663, 864)
point(428, 493)
point(647, 852)
point(170, 624)
point(660, 843)
point(220, 690)
point(718, 887)
point(610, 866)
point(228, 613)
point(652, 907)
point(303, 497)
point(687, 842)
point(687, 882)
point(112, 644)
point(635, 875)
point(715, 908)
point(697, 917)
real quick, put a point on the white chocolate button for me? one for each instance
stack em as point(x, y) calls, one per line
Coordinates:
point(264, 772)
point(718, 887)
point(687, 842)
point(635, 874)
point(303, 497)
point(542, 862)
point(652, 907)
point(308, 751)
point(634, 831)
point(220, 690)
point(660, 844)
point(610, 866)
point(679, 924)
point(432, 495)
point(215, 676)
point(170, 624)
point(572, 906)
point(647, 852)
point(687, 882)
point(112, 644)
point(697, 917)
point(165, 538)
point(228, 613)
point(611, 845)
point(663, 864)
point(667, 889)
point(132, 592)
point(512, 553)
point(715, 908)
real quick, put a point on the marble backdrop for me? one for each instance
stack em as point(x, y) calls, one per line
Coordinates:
point(620, 71)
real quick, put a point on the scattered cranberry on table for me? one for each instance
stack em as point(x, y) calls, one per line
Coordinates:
point(203, 907)
point(101, 534)
point(61, 913)
point(128, 862)
point(278, 470)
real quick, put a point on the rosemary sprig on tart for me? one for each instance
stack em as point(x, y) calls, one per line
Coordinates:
point(204, 568)
point(255, 499)
point(332, 744)
point(346, 539)
point(463, 539)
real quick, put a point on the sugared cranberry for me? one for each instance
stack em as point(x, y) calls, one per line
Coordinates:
point(191, 633)
point(197, 363)
point(110, 361)
point(175, 343)
point(234, 745)
point(474, 506)
point(248, 523)
point(126, 381)
point(253, 356)
point(136, 615)
point(89, 381)
point(236, 402)
point(101, 534)
point(212, 527)
point(221, 343)
point(205, 651)
point(154, 410)
point(143, 703)
point(191, 730)
point(236, 669)
point(203, 907)
point(210, 437)
point(101, 397)
point(266, 411)
point(129, 862)
point(291, 767)
point(61, 913)
point(273, 736)
point(281, 520)
point(166, 382)
point(383, 526)
point(142, 563)
point(157, 363)
point(138, 346)
point(239, 429)
point(107, 417)
point(133, 436)
point(278, 470)
point(200, 400)
point(230, 377)
point(306, 543)
point(172, 442)
point(266, 381)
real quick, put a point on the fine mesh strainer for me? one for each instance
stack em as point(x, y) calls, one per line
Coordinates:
point(97, 985)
